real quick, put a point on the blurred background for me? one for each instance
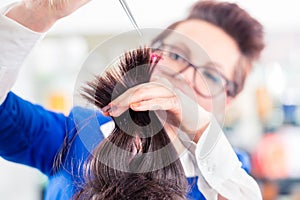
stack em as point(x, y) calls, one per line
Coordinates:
point(264, 121)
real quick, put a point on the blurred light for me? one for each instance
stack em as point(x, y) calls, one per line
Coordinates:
point(289, 96)
point(276, 80)
point(108, 16)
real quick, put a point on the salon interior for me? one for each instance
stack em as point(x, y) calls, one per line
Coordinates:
point(263, 121)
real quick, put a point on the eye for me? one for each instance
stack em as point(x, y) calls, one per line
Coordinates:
point(212, 76)
point(176, 57)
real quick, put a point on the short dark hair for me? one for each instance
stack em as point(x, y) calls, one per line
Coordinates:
point(235, 21)
point(138, 159)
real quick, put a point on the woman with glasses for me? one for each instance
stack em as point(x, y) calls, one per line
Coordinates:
point(191, 87)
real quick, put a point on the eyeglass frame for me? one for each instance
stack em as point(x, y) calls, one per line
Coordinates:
point(230, 86)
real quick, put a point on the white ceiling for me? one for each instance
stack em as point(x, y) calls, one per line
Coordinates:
point(107, 16)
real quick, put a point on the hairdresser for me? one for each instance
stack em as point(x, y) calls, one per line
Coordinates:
point(33, 136)
point(233, 40)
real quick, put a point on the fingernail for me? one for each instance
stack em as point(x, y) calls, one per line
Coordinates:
point(113, 108)
point(106, 114)
point(106, 108)
point(135, 104)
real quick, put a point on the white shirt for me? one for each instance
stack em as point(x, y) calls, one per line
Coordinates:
point(16, 43)
point(212, 159)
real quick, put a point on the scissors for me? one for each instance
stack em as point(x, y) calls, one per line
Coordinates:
point(130, 16)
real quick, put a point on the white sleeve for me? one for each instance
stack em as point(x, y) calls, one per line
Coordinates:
point(16, 42)
point(221, 168)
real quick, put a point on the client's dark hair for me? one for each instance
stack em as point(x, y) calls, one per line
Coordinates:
point(137, 160)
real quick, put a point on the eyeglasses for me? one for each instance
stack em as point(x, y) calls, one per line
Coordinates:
point(208, 81)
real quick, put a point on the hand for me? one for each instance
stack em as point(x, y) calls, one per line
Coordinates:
point(159, 95)
point(40, 15)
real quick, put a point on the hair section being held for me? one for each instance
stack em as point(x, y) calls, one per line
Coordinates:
point(137, 160)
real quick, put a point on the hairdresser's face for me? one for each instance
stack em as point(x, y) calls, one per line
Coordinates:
point(221, 49)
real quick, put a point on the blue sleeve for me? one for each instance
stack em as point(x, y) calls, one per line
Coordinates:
point(244, 158)
point(29, 134)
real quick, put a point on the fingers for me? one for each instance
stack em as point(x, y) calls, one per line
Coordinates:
point(66, 4)
point(168, 103)
point(141, 95)
point(57, 9)
point(177, 82)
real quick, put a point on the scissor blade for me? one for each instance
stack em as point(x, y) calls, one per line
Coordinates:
point(130, 16)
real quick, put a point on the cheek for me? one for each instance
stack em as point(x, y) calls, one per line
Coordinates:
point(172, 67)
point(167, 65)
point(205, 103)
point(215, 105)
point(158, 69)
point(163, 62)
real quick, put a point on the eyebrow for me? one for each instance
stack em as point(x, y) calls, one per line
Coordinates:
point(184, 47)
point(179, 46)
point(219, 66)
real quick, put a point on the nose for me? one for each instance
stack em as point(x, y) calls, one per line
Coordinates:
point(189, 76)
